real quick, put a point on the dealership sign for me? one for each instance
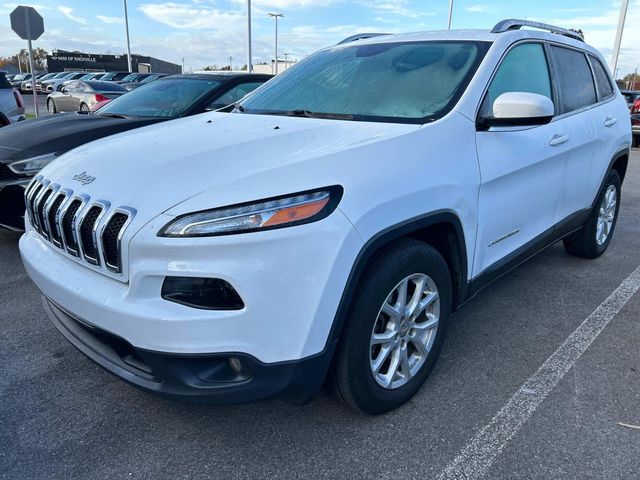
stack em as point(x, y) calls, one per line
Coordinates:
point(73, 59)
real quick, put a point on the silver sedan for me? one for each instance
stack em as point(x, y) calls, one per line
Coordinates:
point(81, 96)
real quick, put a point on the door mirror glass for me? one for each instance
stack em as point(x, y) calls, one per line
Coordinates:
point(514, 109)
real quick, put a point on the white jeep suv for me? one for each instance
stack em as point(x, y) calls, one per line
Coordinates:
point(328, 227)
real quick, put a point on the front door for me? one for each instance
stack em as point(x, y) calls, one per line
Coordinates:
point(520, 167)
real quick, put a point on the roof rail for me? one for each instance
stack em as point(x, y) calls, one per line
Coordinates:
point(361, 36)
point(515, 24)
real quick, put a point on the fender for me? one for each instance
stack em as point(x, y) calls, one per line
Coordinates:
point(383, 238)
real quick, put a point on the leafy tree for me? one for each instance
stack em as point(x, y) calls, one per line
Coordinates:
point(22, 58)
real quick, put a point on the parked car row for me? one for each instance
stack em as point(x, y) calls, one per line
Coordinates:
point(50, 82)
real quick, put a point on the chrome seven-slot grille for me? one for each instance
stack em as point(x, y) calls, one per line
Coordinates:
point(86, 229)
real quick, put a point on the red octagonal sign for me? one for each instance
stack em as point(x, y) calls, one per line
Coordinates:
point(27, 23)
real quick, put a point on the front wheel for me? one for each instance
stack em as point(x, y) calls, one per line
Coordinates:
point(395, 328)
point(594, 237)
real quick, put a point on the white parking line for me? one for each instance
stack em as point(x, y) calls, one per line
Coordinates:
point(475, 459)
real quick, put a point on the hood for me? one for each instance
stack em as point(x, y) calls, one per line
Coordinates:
point(231, 155)
point(59, 133)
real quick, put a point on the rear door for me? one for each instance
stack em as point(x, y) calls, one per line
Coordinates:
point(583, 140)
point(609, 119)
point(519, 166)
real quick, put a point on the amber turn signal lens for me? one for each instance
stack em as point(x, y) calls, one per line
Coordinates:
point(296, 213)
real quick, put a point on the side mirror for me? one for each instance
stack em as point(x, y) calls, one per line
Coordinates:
point(520, 109)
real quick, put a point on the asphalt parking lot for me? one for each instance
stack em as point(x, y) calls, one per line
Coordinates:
point(63, 417)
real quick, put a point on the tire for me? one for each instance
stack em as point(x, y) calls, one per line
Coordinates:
point(585, 243)
point(353, 377)
point(51, 106)
point(84, 107)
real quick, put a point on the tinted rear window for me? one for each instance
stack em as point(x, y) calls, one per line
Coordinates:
point(574, 78)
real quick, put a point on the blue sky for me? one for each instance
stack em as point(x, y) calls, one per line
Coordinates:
point(207, 32)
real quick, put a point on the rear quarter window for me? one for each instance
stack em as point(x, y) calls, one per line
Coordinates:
point(605, 89)
point(574, 79)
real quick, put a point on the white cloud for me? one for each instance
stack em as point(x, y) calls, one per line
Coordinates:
point(286, 3)
point(110, 20)
point(400, 8)
point(184, 16)
point(68, 12)
point(476, 8)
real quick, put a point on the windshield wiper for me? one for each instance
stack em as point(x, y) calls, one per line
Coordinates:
point(310, 114)
point(111, 115)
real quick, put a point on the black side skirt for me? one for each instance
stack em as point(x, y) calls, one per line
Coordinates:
point(547, 238)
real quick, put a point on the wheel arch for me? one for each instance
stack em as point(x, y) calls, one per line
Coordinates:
point(619, 163)
point(441, 229)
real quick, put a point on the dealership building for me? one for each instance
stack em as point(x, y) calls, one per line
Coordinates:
point(63, 61)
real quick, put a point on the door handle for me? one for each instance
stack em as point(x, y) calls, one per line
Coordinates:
point(558, 139)
point(610, 122)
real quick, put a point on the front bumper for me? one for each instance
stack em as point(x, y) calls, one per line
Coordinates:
point(290, 280)
point(193, 378)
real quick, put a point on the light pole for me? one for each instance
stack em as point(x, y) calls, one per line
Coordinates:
point(249, 63)
point(230, 63)
point(450, 14)
point(618, 39)
point(276, 16)
point(126, 25)
point(286, 60)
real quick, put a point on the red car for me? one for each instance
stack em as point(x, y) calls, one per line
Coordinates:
point(99, 105)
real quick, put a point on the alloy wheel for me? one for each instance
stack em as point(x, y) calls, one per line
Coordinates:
point(404, 331)
point(606, 214)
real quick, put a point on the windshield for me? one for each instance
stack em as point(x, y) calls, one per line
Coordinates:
point(165, 98)
point(150, 78)
point(411, 82)
point(130, 78)
point(113, 76)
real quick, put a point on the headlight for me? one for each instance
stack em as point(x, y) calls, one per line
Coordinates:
point(33, 165)
point(295, 209)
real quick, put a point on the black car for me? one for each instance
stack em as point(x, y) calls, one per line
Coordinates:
point(28, 146)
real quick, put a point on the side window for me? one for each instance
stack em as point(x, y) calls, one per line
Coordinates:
point(574, 78)
point(71, 86)
point(524, 69)
point(605, 90)
point(234, 94)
